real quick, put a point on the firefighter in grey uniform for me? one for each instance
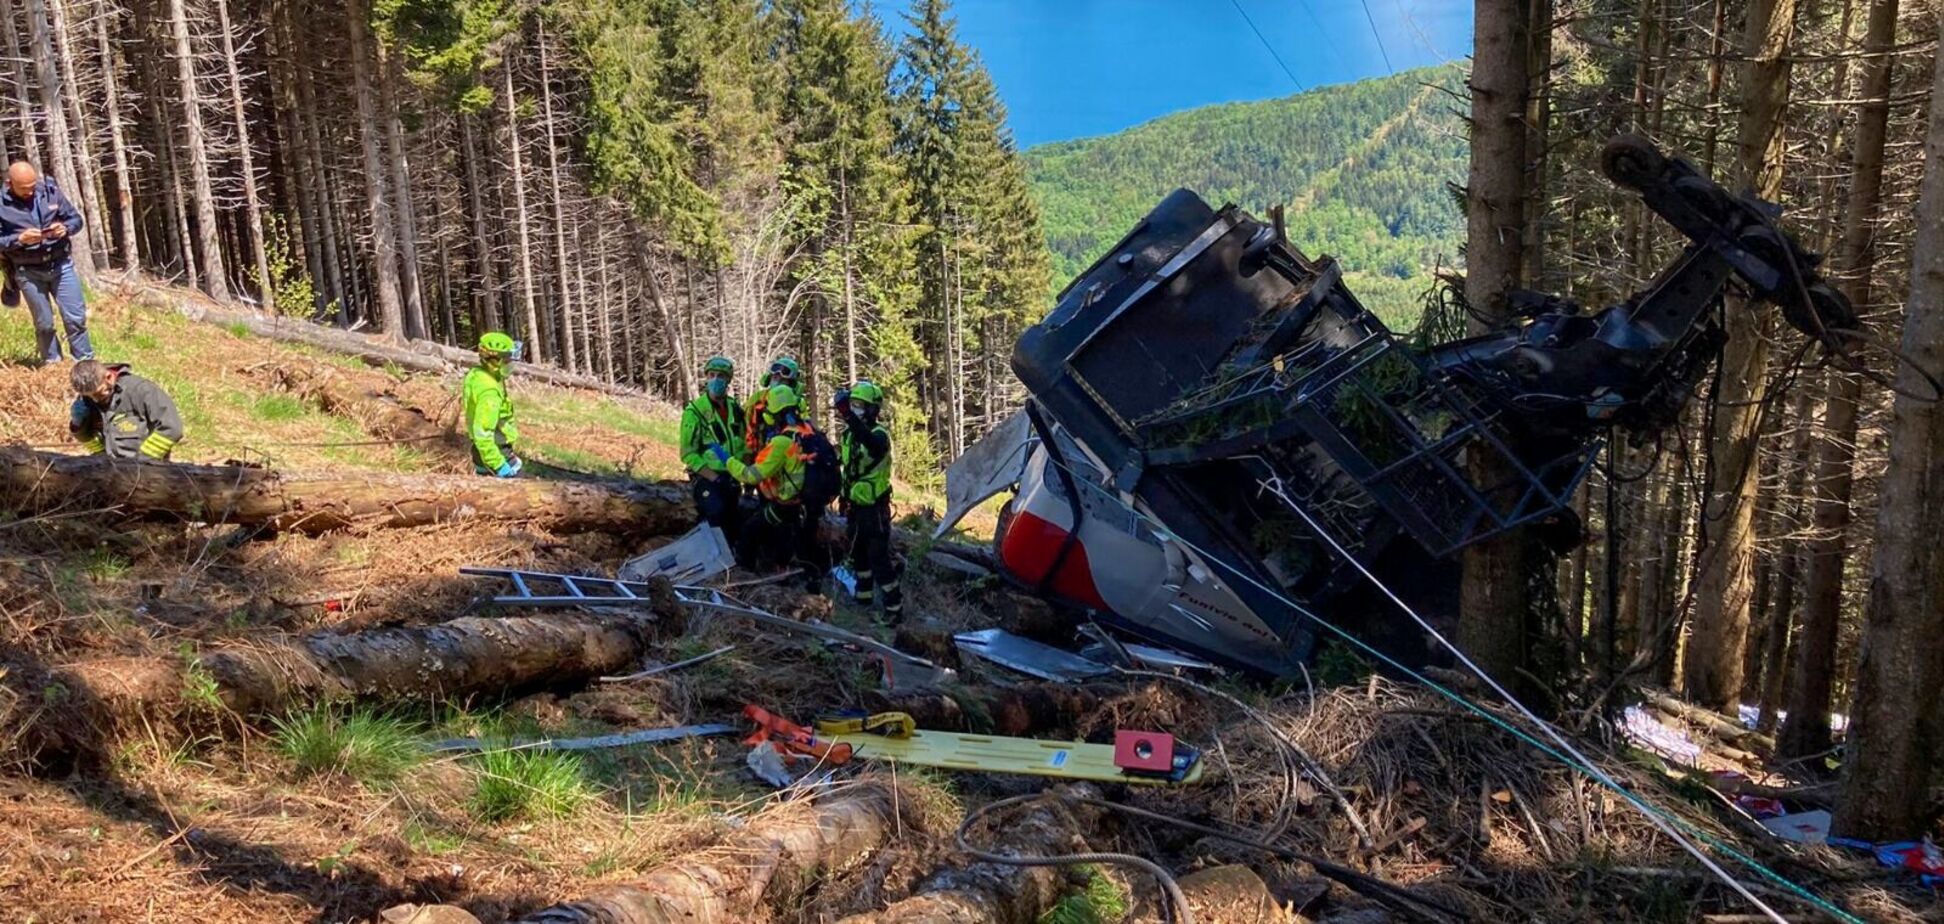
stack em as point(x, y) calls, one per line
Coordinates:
point(121, 414)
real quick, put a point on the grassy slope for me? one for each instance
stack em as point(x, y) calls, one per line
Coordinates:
point(328, 815)
point(219, 382)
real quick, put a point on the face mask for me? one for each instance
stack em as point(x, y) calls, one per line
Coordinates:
point(718, 387)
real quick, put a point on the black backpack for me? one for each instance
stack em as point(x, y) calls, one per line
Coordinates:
point(821, 481)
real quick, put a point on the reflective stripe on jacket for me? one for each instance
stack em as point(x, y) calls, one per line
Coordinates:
point(866, 464)
point(489, 418)
point(778, 470)
point(139, 419)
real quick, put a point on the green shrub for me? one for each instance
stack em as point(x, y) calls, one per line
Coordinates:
point(367, 746)
point(1102, 902)
point(513, 783)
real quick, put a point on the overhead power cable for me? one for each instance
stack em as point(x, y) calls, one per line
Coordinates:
point(1268, 47)
point(1379, 37)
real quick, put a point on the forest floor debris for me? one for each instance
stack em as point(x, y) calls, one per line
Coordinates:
point(317, 814)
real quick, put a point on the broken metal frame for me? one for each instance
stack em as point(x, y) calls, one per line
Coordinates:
point(1305, 394)
point(901, 670)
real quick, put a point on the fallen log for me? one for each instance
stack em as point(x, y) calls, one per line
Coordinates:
point(980, 892)
point(770, 862)
point(417, 355)
point(34, 482)
point(379, 413)
point(82, 703)
point(1721, 726)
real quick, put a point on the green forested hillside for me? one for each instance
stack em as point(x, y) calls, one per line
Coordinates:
point(1362, 168)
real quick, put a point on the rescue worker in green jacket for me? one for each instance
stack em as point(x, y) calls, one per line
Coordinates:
point(783, 370)
point(792, 459)
point(489, 411)
point(864, 454)
point(715, 419)
point(120, 414)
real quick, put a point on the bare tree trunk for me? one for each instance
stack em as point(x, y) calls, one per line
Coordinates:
point(684, 357)
point(87, 188)
point(445, 294)
point(1673, 574)
point(569, 356)
point(1807, 729)
point(209, 252)
point(117, 142)
point(312, 178)
point(1712, 674)
point(252, 199)
point(486, 309)
point(580, 297)
point(1572, 597)
point(30, 146)
point(1885, 792)
point(607, 331)
point(410, 286)
point(176, 223)
point(1493, 598)
point(1769, 665)
point(57, 124)
point(631, 360)
point(531, 314)
point(384, 250)
point(850, 284)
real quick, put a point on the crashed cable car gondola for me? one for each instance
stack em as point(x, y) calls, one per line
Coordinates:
point(1205, 392)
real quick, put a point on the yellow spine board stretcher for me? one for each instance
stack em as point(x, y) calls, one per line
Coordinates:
point(1070, 760)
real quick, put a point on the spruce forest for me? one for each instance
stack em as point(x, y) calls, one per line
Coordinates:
point(320, 661)
point(628, 187)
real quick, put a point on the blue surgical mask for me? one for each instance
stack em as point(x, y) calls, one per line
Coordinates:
point(718, 387)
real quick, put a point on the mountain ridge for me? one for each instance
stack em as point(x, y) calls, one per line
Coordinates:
point(1362, 168)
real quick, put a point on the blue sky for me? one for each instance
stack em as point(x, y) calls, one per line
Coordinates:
point(1072, 68)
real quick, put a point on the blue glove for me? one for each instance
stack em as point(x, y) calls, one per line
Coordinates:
point(77, 415)
point(509, 468)
point(721, 454)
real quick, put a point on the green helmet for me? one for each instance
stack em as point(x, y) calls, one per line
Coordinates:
point(780, 398)
point(786, 367)
point(868, 392)
point(495, 344)
point(720, 364)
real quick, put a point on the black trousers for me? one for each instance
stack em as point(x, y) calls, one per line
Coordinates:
point(869, 537)
point(780, 534)
point(716, 503)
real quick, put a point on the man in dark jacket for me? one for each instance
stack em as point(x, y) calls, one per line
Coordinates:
point(36, 224)
point(122, 414)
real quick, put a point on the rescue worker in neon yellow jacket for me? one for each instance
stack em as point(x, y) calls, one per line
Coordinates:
point(714, 419)
point(489, 411)
point(120, 414)
point(794, 457)
point(864, 454)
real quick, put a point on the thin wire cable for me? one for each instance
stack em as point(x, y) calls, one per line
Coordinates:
point(1175, 908)
point(1378, 36)
point(1382, 890)
point(1529, 715)
point(1268, 47)
point(1660, 818)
